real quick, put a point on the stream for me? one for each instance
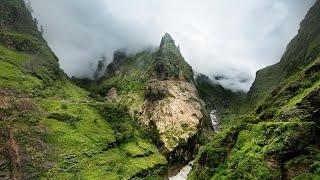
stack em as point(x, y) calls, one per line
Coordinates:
point(183, 173)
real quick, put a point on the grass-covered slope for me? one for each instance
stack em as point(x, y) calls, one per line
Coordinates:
point(49, 127)
point(301, 51)
point(278, 138)
point(94, 141)
point(127, 74)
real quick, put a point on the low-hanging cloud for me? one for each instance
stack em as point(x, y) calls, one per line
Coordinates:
point(229, 39)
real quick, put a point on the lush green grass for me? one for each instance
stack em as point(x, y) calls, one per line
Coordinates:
point(65, 89)
point(13, 78)
point(26, 73)
point(13, 57)
point(88, 132)
point(92, 146)
point(12, 75)
point(284, 103)
point(252, 151)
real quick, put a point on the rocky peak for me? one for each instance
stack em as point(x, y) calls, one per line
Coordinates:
point(166, 40)
point(119, 57)
point(170, 64)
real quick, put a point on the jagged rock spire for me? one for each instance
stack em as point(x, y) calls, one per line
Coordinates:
point(170, 64)
point(166, 39)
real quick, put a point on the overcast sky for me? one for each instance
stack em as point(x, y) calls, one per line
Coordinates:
point(217, 37)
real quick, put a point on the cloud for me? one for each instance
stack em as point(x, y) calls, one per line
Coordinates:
point(219, 38)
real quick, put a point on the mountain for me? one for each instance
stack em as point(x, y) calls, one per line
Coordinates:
point(52, 129)
point(169, 63)
point(301, 51)
point(142, 116)
point(278, 138)
point(158, 87)
point(148, 114)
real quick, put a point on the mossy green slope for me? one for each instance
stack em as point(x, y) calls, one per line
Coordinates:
point(301, 51)
point(49, 127)
point(278, 138)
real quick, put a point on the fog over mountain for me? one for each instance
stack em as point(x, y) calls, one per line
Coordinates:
point(229, 40)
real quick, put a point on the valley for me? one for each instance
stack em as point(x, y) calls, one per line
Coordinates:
point(150, 116)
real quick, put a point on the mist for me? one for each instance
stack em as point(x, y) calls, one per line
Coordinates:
point(226, 40)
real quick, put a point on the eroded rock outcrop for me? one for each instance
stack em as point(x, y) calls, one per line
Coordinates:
point(174, 109)
point(172, 104)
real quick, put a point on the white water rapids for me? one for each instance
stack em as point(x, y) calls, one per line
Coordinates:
point(214, 121)
point(183, 174)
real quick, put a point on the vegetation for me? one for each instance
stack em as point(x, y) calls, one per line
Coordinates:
point(51, 128)
point(278, 137)
point(169, 63)
point(229, 105)
point(94, 144)
point(301, 51)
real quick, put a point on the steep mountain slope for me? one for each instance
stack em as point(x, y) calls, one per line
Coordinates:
point(226, 104)
point(52, 129)
point(301, 51)
point(169, 63)
point(172, 105)
point(279, 138)
point(148, 112)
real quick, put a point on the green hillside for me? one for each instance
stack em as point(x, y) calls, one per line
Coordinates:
point(279, 137)
point(148, 114)
point(50, 128)
point(301, 51)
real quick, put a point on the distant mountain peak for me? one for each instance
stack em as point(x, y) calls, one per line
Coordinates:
point(166, 39)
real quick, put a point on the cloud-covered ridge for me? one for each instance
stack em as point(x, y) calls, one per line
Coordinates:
point(227, 39)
